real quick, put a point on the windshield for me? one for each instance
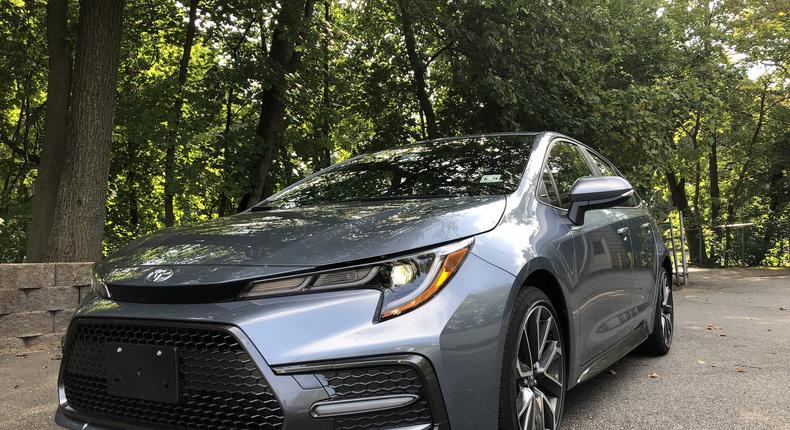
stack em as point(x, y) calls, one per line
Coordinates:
point(473, 166)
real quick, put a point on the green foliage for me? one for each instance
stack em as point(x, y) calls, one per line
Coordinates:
point(653, 84)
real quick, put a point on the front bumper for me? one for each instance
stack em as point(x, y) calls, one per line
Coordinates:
point(454, 342)
point(221, 378)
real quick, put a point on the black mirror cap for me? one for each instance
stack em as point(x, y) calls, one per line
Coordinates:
point(597, 192)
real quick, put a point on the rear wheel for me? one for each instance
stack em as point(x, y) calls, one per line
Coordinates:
point(660, 341)
point(532, 389)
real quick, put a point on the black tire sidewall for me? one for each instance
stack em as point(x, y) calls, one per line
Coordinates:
point(527, 299)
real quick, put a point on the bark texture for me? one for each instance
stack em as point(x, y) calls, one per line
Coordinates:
point(55, 127)
point(178, 105)
point(285, 58)
point(677, 188)
point(418, 68)
point(80, 207)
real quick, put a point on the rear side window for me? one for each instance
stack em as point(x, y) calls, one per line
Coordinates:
point(564, 166)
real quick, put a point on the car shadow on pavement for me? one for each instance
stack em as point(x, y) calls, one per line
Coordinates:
point(587, 399)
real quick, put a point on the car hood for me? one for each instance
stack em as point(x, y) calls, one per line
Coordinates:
point(277, 241)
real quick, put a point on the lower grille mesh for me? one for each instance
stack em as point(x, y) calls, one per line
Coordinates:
point(379, 381)
point(220, 385)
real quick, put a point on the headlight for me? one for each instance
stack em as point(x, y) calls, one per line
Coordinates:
point(406, 282)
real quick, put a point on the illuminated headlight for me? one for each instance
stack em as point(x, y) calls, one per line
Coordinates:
point(403, 273)
point(406, 282)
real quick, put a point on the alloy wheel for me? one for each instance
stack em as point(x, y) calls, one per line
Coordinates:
point(540, 372)
point(666, 310)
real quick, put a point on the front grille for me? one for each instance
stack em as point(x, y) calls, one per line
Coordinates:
point(379, 381)
point(219, 384)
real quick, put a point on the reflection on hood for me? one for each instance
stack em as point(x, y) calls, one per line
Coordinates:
point(312, 236)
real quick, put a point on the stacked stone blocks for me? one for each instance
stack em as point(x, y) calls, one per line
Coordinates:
point(37, 302)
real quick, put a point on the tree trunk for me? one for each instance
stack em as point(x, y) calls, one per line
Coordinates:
point(223, 150)
point(131, 182)
point(749, 156)
point(325, 158)
point(418, 68)
point(286, 58)
point(715, 194)
point(778, 185)
point(174, 139)
point(694, 235)
point(55, 125)
point(80, 207)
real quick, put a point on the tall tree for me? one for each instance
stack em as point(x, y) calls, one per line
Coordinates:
point(55, 126)
point(178, 105)
point(284, 57)
point(418, 67)
point(78, 221)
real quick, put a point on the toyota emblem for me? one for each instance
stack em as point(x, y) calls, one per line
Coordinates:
point(159, 275)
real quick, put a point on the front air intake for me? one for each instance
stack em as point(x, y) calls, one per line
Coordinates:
point(378, 381)
point(219, 386)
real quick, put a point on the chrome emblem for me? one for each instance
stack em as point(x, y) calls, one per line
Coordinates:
point(159, 275)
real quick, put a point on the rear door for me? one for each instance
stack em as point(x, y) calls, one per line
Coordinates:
point(602, 250)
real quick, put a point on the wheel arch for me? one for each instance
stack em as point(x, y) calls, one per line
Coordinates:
point(545, 280)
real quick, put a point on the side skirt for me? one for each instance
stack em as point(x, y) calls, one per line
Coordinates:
point(614, 353)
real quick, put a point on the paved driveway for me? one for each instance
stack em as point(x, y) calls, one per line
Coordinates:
point(728, 369)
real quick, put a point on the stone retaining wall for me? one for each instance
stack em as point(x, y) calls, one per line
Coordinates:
point(37, 302)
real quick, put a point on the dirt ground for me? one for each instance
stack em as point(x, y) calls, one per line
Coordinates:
point(729, 367)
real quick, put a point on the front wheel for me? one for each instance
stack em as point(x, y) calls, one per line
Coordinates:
point(532, 389)
point(659, 342)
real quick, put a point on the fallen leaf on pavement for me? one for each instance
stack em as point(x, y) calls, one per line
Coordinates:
point(722, 334)
point(740, 370)
point(782, 309)
point(654, 375)
point(700, 362)
point(713, 365)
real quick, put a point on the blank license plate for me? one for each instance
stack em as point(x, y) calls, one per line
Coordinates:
point(142, 372)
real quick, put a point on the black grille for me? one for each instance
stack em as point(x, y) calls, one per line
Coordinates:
point(220, 385)
point(379, 381)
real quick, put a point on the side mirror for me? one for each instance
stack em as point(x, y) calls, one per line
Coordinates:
point(597, 192)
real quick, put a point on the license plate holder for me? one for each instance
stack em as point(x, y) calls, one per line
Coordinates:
point(146, 372)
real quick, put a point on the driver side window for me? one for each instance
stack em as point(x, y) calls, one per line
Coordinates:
point(564, 165)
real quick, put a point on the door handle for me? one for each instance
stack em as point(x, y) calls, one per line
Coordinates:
point(623, 231)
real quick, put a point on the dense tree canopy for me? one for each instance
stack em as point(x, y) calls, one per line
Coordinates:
point(221, 103)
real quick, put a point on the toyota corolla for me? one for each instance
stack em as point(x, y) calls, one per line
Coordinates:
point(463, 283)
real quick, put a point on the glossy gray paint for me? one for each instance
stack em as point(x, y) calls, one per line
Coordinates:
point(460, 331)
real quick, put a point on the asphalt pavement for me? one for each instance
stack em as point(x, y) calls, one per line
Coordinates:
point(729, 367)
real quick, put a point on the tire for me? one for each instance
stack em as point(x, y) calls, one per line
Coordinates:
point(533, 383)
point(660, 341)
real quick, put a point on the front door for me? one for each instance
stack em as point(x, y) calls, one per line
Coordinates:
point(640, 235)
point(603, 255)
